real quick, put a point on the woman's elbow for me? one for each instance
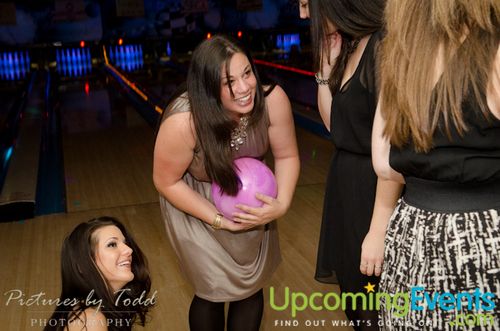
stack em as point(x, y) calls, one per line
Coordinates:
point(382, 169)
point(159, 183)
point(385, 172)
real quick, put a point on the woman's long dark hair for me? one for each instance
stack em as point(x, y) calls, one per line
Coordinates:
point(81, 279)
point(212, 122)
point(354, 20)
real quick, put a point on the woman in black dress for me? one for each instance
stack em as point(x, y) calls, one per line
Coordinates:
point(345, 38)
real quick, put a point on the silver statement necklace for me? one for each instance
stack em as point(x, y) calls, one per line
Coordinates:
point(239, 133)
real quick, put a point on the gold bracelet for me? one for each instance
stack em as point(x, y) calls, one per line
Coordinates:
point(321, 81)
point(217, 223)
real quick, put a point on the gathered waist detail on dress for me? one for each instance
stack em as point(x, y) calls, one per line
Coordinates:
point(450, 196)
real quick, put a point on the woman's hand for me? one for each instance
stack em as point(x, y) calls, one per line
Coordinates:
point(255, 216)
point(331, 46)
point(233, 226)
point(372, 253)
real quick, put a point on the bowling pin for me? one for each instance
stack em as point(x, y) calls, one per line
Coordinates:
point(141, 57)
point(2, 67)
point(28, 63)
point(10, 64)
point(169, 50)
point(128, 58)
point(89, 60)
point(58, 61)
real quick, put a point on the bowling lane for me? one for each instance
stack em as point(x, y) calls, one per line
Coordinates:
point(10, 93)
point(107, 147)
point(159, 81)
point(7, 100)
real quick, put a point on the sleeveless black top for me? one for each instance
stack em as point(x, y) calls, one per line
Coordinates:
point(469, 159)
point(354, 104)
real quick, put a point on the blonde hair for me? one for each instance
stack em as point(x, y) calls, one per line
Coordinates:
point(464, 35)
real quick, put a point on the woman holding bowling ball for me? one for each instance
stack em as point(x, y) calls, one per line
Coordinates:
point(224, 113)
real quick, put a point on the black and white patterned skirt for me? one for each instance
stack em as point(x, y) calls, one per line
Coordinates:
point(441, 269)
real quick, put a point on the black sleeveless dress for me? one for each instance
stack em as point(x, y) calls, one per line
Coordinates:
point(351, 183)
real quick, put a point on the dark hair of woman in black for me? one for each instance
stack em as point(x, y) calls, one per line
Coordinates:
point(354, 19)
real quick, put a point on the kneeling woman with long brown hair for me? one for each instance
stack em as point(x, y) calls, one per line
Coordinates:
point(103, 272)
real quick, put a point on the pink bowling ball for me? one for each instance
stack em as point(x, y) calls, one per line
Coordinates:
point(255, 177)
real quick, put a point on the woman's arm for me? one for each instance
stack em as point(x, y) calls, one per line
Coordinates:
point(389, 187)
point(286, 161)
point(381, 148)
point(372, 249)
point(283, 145)
point(173, 153)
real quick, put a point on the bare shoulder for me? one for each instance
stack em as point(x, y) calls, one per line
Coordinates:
point(180, 119)
point(178, 125)
point(276, 95)
point(91, 320)
point(279, 107)
point(277, 102)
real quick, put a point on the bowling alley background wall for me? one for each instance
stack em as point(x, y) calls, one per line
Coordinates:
point(31, 22)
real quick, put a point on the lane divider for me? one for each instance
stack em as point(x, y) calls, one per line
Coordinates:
point(127, 81)
point(283, 67)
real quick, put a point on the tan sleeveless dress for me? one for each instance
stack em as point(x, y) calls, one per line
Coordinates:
point(221, 265)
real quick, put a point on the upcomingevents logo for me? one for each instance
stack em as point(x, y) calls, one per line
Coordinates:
point(472, 308)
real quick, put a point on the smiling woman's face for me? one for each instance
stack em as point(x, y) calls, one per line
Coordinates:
point(243, 83)
point(113, 257)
